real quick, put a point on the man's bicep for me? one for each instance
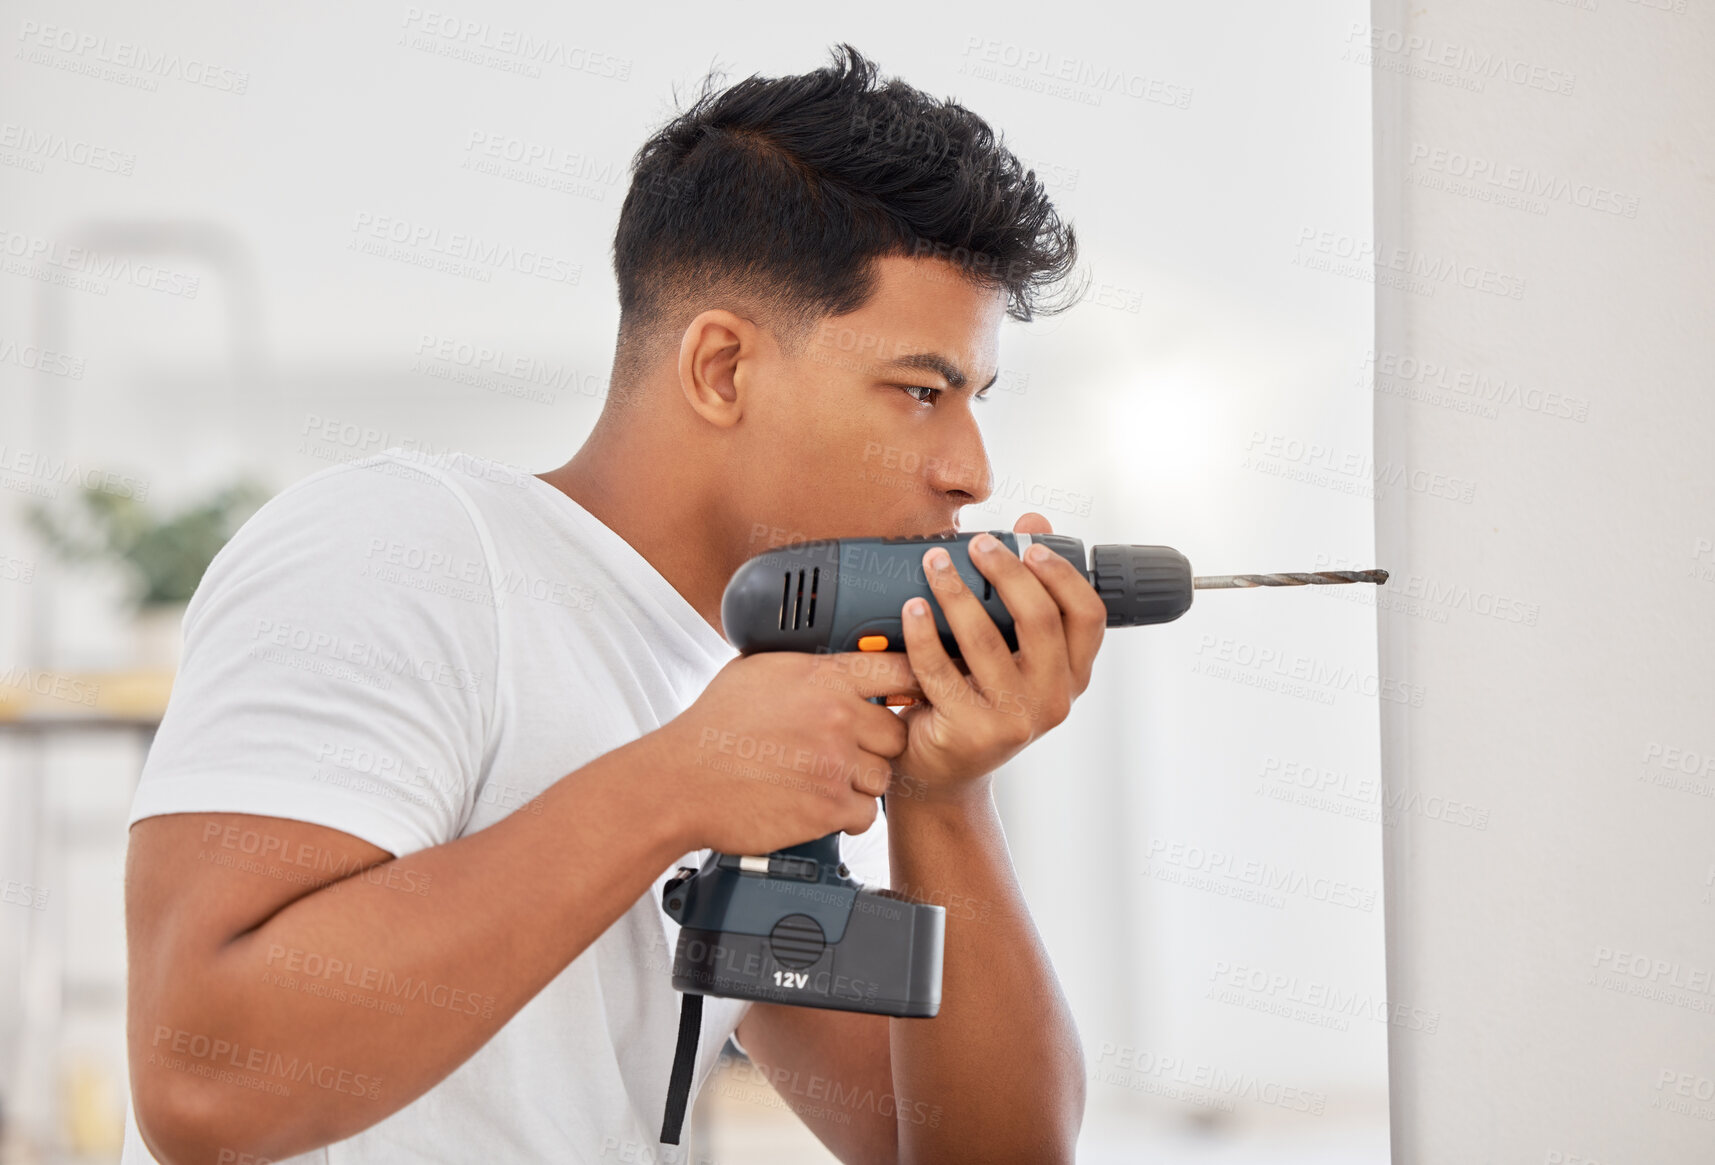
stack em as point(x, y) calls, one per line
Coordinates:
point(834, 1069)
point(194, 881)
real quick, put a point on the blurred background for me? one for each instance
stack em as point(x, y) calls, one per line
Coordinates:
point(225, 264)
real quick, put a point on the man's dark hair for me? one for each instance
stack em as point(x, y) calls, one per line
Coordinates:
point(781, 192)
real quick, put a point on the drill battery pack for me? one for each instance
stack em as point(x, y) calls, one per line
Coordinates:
point(794, 928)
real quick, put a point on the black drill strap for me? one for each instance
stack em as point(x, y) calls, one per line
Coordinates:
point(684, 1063)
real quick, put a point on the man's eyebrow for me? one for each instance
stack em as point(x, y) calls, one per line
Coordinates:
point(940, 365)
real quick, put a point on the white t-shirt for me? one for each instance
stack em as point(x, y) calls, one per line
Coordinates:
point(410, 648)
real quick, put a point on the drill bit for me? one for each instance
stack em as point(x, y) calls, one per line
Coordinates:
point(1205, 582)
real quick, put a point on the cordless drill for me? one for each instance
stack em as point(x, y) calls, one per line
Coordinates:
point(793, 926)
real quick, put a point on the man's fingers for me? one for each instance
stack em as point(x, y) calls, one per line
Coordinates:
point(1035, 614)
point(880, 732)
point(868, 673)
point(980, 642)
point(1085, 615)
point(1032, 523)
point(934, 668)
point(862, 813)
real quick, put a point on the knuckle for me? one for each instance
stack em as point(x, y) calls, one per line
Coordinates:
point(863, 817)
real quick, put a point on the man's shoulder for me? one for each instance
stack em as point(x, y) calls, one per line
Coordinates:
point(399, 491)
point(402, 474)
point(378, 516)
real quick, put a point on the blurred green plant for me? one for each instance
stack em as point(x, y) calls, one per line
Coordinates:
point(165, 556)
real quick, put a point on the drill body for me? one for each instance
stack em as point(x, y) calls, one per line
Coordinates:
point(845, 594)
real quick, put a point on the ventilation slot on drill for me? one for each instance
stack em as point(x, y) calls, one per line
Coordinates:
point(797, 941)
point(794, 614)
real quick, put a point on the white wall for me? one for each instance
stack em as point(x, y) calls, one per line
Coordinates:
point(1570, 944)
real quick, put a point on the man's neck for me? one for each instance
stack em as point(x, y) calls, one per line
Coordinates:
point(656, 502)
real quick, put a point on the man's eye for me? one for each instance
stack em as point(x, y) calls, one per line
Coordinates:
point(911, 390)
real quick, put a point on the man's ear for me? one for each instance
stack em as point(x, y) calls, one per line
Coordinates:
point(716, 356)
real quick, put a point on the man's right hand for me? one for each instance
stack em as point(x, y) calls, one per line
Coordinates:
point(784, 747)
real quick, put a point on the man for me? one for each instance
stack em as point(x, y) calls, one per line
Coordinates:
point(443, 729)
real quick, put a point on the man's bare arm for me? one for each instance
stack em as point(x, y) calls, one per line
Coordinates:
point(241, 1031)
point(273, 1012)
point(832, 1069)
point(1000, 1069)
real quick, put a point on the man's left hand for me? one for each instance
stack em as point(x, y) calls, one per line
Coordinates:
point(974, 723)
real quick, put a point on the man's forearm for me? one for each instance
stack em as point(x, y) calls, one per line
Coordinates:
point(387, 992)
point(1002, 1059)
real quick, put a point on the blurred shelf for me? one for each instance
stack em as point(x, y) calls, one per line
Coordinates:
point(87, 701)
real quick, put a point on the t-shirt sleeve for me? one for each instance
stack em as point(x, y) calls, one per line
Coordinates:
point(339, 664)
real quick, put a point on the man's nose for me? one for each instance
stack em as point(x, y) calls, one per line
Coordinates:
point(961, 467)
